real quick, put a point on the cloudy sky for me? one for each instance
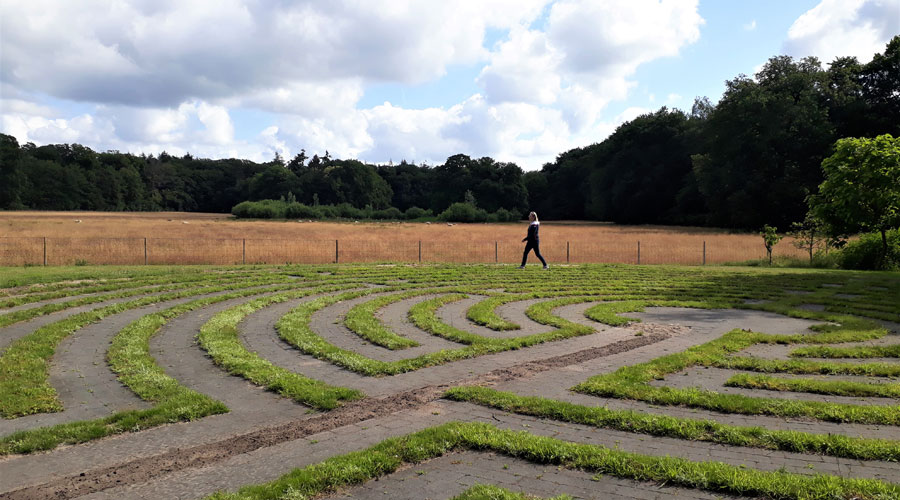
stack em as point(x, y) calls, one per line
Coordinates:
point(387, 80)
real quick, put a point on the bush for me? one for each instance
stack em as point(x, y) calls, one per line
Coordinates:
point(242, 209)
point(328, 211)
point(267, 209)
point(301, 211)
point(417, 213)
point(865, 253)
point(348, 211)
point(388, 213)
point(463, 212)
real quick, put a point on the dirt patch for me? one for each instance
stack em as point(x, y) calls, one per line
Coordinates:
point(666, 329)
point(148, 468)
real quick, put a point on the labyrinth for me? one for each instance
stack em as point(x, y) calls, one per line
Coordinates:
point(449, 382)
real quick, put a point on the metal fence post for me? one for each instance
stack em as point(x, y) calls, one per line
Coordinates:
point(704, 252)
point(244, 251)
point(496, 251)
point(335, 251)
point(567, 252)
point(45, 250)
point(639, 252)
point(420, 251)
point(145, 251)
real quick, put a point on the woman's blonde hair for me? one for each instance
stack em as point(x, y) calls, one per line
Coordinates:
point(533, 214)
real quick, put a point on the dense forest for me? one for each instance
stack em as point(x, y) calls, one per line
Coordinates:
point(750, 159)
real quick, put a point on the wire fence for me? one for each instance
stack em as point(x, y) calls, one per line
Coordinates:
point(25, 251)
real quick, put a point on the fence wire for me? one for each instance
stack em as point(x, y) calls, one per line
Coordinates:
point(16, 251)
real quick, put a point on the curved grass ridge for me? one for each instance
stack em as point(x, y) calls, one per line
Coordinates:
point(294, 329)
point(857, 352)
point(219, 337)
point(835, 445)
point(24, 366)
point(484, 313)
point(632, 382)
point(830, 387)
point(129, 357)
point(389, 455)
point(27, 314)
point(361, 320)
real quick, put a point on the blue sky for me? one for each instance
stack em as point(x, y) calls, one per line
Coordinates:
point(385, 80)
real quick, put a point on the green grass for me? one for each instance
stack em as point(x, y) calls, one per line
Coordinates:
point(24, 366)
point(681, 428)
point(632, 382)
point(387, 456)
point(219, 337)
point(832, 387)
point(492, 492)
point(858, 352)
point(361, 320)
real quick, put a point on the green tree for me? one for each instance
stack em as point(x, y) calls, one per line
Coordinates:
point(861, 190)
point(808, 235)
point(770, 238)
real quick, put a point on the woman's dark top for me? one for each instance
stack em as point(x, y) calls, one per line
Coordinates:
point(533, 232)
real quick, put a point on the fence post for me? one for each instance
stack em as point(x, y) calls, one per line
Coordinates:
point(45, 251)
point(420, 251)
point(145, 251)
point(704, 252)
point(496, 251)
point(567, 252)
point(335, 251)
point(639, 252)
point(244, 251)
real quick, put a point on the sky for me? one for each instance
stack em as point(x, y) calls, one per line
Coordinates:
point(389, 80)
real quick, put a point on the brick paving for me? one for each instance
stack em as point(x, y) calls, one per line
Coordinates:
point(88, 389)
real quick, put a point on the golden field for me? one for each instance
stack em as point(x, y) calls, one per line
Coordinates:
point(65, 238)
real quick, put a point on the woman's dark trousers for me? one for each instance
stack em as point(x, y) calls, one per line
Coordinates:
point(537, 251)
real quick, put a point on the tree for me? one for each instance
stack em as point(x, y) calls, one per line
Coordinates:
point(861, 190)
point(808, 235)
point(770, 238)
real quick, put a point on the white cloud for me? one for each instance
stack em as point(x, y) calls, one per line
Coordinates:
point(837, 28)
point(164, 75)
point(750, 26)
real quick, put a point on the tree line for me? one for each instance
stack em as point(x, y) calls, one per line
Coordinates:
point(751, 159)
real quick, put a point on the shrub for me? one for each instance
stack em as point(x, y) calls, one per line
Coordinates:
point(865, 253)
point(463, 212)
point(417, 213)
point(388, 213)
point(301, 211)
point(242, 209)
point(348, 211)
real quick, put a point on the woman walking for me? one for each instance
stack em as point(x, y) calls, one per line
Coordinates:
point(533, 241)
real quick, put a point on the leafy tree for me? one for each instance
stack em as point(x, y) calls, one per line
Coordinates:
point(808, 235)
point(861, 190)
point(12, 178)
point(770, 238)
point(272, 183)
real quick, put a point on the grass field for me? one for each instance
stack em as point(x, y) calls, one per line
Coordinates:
point(190, 238)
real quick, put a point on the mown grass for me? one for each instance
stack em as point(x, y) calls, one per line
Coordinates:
point(835, 445)
point(387, 456)
point(219, 337)
point(857, 352)
point(24, 366)
point(493, 492)
point(832, 387)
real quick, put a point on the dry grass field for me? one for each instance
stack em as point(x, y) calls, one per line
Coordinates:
point(65, 238)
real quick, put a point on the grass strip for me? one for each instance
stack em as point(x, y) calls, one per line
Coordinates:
point(24, 366)
point(27, 314)
point(294, 329)
point(857, 352)
point(681, 428)
point(219, 337)
point(805, 367)
point(386, 457)
point(632, 382)
point(129, 357)
point(361, 320)
point(832, 387)
point(492, 492)
point(484, 313)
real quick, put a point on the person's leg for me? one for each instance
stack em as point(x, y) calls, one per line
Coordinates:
point(525, 254)
point(537, 251)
